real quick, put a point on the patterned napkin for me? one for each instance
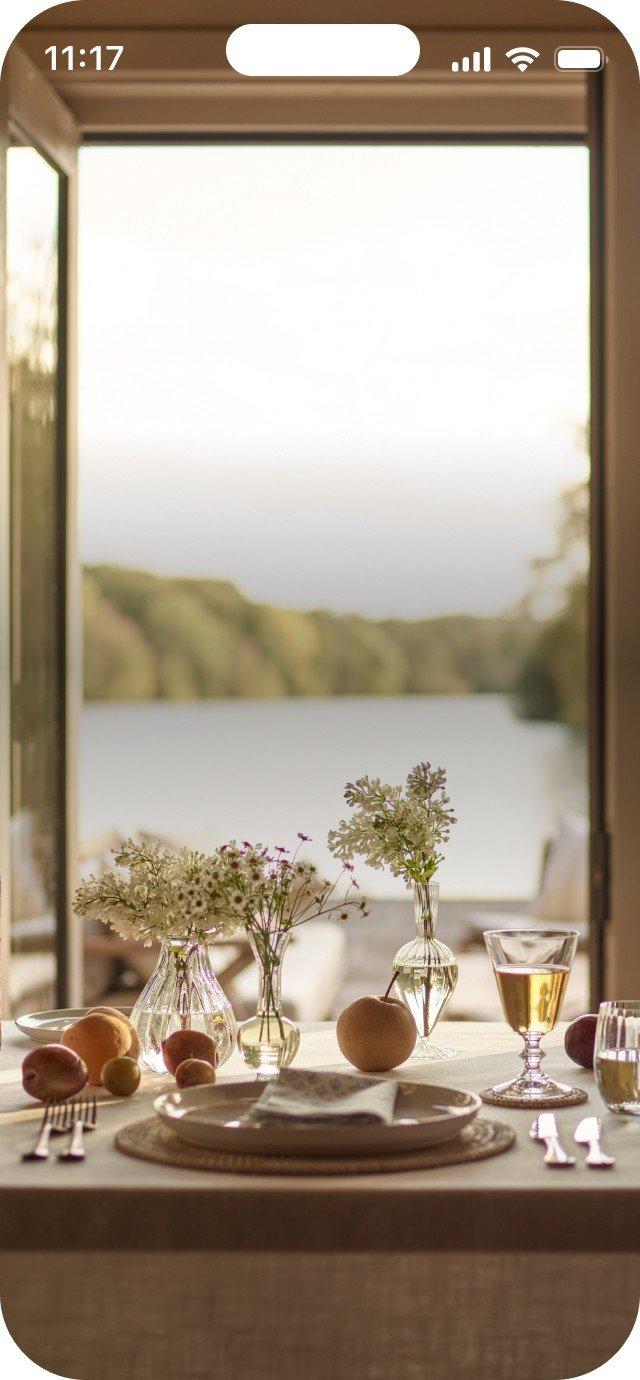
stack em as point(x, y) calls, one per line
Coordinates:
point(309, 1095)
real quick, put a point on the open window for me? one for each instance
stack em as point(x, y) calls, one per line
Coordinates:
point(170, 86)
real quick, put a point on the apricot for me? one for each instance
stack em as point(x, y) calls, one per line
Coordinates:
point(97, 1038)
point(134, 1048)
point(192, 1072)
point(188, 1044)
point(53, 1072)
point(121, 1076)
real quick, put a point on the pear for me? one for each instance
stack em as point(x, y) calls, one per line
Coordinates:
point(376, 1033)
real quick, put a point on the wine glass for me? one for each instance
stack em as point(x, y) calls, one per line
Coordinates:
point(532, 970)
point(617, 1056)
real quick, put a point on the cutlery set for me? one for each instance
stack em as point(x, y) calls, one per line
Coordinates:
point(64, 1118)
point(588, 1132)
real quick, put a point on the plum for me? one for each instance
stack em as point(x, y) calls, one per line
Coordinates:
point(580, 1039)
point(53, 1072)
point(188, 1044)
point(191, 1073)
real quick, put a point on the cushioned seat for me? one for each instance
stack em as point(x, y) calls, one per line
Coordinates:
point(312, 972)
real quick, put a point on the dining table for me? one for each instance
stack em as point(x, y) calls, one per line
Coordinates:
point(503, 1267)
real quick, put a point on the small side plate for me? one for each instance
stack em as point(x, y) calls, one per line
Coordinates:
point(46, 1027)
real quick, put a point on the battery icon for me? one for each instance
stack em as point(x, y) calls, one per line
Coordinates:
point(579, 59)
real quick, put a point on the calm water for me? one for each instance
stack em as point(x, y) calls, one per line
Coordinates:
point(263, 770)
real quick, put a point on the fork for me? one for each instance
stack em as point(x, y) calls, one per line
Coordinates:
point(85, 1113)
point(56, 1121)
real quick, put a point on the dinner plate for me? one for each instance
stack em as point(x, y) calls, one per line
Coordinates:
point(46, 1027)
point(212, 1116)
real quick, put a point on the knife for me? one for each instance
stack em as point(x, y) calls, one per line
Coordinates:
point(545, 1129)
point(588, 1132)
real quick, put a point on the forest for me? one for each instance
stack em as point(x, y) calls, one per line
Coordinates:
point(157, 637)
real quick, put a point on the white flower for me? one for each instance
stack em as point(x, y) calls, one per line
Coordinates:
point(401, 831)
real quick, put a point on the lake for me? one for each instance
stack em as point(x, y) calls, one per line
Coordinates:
point(203, 771)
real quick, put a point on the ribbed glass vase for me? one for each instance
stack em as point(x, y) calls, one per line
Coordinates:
point(427, 972)
point(269, 1041)
point(182, 994)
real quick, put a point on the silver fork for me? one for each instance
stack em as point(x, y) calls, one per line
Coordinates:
point(85, 1114)
point(56, 1121)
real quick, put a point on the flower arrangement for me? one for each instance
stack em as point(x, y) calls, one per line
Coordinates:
point(270, 890)
point(402, 829)
point(155, 892)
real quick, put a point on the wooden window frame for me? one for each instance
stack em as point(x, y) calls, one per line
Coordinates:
point(28, 103)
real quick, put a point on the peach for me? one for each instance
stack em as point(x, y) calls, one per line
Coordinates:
point(97, 1038)
point(134, 1048)
point(192, 1072)
point(53, 1072)
point(121, 1076)
point(188, 1044)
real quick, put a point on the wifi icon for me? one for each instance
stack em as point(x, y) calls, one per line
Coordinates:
point(522, 57)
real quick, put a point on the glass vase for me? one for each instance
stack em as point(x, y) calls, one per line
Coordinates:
point(427, 972)
point(183, 993)
point(269, 1041)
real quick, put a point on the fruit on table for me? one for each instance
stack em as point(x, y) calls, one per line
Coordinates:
point(121, 1076)
point(134, 1048)
point(376, 1033)
point(97, 1038)
point(192, 1072)
point(188, 1044)
point(53, 1071)
point(580, 1040)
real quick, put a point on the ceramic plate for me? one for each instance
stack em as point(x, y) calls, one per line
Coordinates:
point(46, 1027)
point(212, 1116)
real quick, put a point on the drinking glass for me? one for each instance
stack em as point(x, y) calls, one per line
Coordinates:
point(532, 970)
point(617, 1056)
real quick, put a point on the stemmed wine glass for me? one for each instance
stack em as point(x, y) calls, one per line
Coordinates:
point(532, 970)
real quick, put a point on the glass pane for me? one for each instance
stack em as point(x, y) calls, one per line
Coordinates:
point(337, 522)
point(32, 299)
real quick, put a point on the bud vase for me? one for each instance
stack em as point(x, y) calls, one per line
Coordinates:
point(427, 972)
point(269, 1041)
point(182, 993)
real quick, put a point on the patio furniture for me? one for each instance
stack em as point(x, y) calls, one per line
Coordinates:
point(497, 1268)
point(562, 899)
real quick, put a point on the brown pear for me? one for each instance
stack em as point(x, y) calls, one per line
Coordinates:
point(376, 1033)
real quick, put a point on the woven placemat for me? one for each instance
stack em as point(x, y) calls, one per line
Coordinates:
point(574, 1098)
point(151, 1140)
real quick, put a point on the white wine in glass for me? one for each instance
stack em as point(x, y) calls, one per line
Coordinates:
point(532, 971)
point(617, 1056)
point(531, 997)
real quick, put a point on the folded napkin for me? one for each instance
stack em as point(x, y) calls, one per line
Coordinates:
point(308, 1095)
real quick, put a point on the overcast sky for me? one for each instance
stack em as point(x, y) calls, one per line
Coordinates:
point(340, 376)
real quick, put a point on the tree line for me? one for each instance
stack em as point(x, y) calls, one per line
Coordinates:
point(158, 637)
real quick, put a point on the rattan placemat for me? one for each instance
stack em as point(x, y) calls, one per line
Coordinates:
point(574, 1098)
point(151, 1140)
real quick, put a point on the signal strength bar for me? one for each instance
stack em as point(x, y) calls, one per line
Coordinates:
point(478, 62)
